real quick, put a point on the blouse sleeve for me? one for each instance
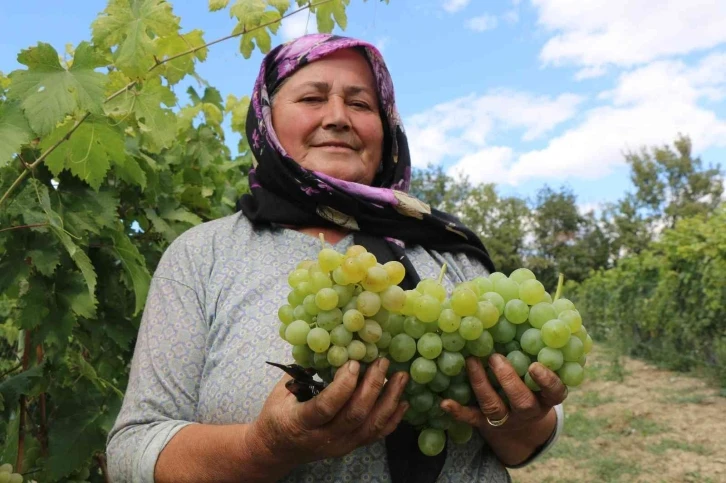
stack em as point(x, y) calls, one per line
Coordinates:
point(166, 370)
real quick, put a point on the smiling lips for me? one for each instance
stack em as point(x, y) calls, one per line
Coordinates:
point(335, 145)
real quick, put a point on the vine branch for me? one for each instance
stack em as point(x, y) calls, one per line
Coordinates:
point(34, 225)
point(131, 84)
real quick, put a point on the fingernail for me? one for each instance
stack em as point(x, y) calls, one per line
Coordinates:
point(536, 371)
point(383, 364)
point(445, 406)
point(403, 378)
point(495, 361)
point(353, 367)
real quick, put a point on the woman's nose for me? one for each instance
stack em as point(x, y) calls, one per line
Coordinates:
point(336, 114)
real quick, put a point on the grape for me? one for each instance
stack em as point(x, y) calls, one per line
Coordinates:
point(532, 342)
point(587, 345)
point(423, 370)
point(571, 373)
point(573, 350)
point(440, 382)
point(345, 293)
point(356, 350)
point(297, 276)
point(547, 298)
point(541, 313)
point(449, 321)
point(396, 272)
point(414, 327)
point(530, 383)
point(367, 260)
point(493, 277)
point(459, 392)
point(395, 324)
point(464, 302)
point(340, 336)
point(369, 303)
point(320, 361)
point(281, 331)
point(15, 478)
point(402, 347)
point(299, 313)
point(371, 331)
point(326, 299)
point(353, 269)
point(484, 284)
point(522, 274)
point(459, 432)
point(519, 361)
point(341, 278)
point(285, 314)
point(353, 320)
point(495, 299)
point(318, 339)
point(329, 259)
point(451, 363)
point(508, 289)
point(384, 341)
point(511, 346)
point(582, 360)
point(412, 296)
point(488, 313)
point(453, 342)
point(351, 305)
point(573, 319)
point(296, 332)
point(442, 422)
point(371, 352)
point(431, 441)
point(521, 329)
point(556, 333)
point(471, 328)
point(337, 356)
point(516, 311)
point(376, 279)
point(531, 292)
point(423, 401)
point(319, 281)
point(551, 358)
point(305, 264)
point(302, 355)
point(482, 346)
point(330, 319)
point(382, 318)
point(504, 331)
point(433, 288)
point(412, 388)
point(310, 306)
point(561, 304)
point(303, 289)
point(430, 346)
point(428, 308)
point(581, 334)
point(355, 250)
point(393, 298)
point(294, 299)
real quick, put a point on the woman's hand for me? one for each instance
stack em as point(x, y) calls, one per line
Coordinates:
point(344, 416)
point(530, 419)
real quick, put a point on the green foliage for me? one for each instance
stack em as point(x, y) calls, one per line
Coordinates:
point(101, 167)
point(668, 300)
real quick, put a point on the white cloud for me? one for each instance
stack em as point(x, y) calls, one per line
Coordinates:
point(453, 6)
point(482, 23)
point(297, 25)
point(484, 166)
point(511, 16)
point(381, 43)
point(597, 33)
point(650, 106)
point(462, 126)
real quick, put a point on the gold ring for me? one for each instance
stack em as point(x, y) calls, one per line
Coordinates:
point(498, 422)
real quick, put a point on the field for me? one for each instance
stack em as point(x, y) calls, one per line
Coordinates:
point(632, 422)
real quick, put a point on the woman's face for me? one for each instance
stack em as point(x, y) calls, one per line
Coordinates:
point(326, 117)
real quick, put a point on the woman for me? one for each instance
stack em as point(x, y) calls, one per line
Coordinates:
point(202, 405)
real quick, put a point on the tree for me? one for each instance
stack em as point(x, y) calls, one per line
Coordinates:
point(97, 176)
point(438, 189)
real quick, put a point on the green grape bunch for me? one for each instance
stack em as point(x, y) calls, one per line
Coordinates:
point(7, 475)
point(346, 306)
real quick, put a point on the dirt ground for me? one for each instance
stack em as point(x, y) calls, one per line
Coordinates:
point(632, 422)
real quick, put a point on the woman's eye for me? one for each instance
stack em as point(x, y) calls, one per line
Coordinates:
point(361, 105)
point(312, 99)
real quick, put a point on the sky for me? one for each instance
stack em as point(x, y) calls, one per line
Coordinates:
point(520, 93)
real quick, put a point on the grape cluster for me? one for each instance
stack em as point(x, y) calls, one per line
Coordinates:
point(7, 475)
point(349, 306)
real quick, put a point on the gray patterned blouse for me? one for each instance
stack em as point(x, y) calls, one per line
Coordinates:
point(208, 327)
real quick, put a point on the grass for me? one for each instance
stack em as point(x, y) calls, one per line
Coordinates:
point(583, 428)
point(611, 469)
point(667, 444)
point(591, 399)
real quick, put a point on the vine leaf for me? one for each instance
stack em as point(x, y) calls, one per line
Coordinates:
point(327, 14)
point(88, 153)
point(131, 26)
point(14, 130)
point(176, 69)
point(251, 15)
point(72, 439)
point(215, 5)
point(48, 92)
point(134, 265)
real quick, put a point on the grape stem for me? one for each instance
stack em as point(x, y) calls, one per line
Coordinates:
point(322, 239)
point(441, 274)
point(560, 283)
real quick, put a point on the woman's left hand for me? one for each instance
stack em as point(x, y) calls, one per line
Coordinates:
point(526, 408)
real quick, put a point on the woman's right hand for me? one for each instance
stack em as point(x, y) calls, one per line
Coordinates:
point(345, 415)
